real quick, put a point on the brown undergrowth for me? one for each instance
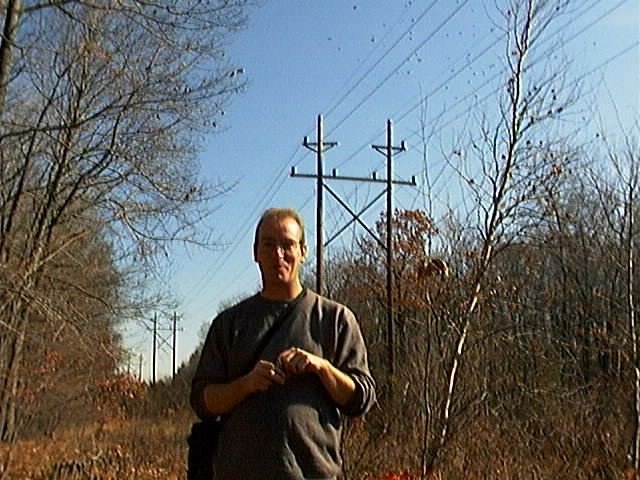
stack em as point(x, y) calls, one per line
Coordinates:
point(119, 449)
point(582, 437)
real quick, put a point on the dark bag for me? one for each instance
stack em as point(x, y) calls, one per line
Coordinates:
point(203, 439)
point(202, 442)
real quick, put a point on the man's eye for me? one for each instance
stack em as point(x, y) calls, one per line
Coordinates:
point(288, 246)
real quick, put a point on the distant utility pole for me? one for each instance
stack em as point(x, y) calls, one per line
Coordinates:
point(389, 150)
point(173, 346)
point(160, 341)
point(155, 341)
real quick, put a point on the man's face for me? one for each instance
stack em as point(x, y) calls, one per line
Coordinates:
point(279, 252)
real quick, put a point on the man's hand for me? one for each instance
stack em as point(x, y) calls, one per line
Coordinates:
point(263, 375)
point(338, 384)
point(295, 361)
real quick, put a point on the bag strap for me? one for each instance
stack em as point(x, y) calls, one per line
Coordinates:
point(264, 341)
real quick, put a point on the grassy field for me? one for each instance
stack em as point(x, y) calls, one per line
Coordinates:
point(156, 449)
point(132, 449)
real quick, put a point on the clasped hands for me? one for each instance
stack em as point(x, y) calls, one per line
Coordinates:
point(292, 361)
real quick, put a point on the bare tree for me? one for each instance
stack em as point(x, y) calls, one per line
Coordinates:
point(505, 169)
point(619, 204)
point(102, 113)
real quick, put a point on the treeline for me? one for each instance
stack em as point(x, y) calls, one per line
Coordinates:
point(546, 377)
point(103, 106)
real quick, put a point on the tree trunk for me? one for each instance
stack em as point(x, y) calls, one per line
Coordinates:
point(12, 16)
point(632, 330)
point(11, 358)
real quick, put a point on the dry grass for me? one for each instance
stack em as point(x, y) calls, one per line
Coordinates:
point(585, 439)
point(136, 449)
point(579, 446)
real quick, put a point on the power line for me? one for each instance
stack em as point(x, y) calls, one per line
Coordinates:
point(276, 185)
point(543, 56)
point(612, 58)
point(581, 77)
point(400, 116)
point(333, 103)
point(243, 230)
point(396, 69)
point(380, 59)
point(491, 79)
point(279, 185)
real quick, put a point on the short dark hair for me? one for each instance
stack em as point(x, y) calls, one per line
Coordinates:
point(280, 214)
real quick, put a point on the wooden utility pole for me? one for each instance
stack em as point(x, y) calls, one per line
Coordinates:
point(389, 151)
point(319, 147)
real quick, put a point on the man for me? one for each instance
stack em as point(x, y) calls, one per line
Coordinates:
point(283, 414)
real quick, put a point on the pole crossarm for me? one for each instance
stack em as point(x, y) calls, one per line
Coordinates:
point(383, 149)
point(372, 179)
point(313, 146)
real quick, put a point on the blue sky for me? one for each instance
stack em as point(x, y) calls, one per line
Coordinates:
point(358, 64)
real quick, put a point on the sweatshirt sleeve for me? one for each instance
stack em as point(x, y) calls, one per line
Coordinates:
point(210, 368)
point(351, 358)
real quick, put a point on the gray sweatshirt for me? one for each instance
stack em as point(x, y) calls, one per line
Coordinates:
point(290, 431)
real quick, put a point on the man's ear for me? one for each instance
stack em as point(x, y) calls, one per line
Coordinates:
point(304, 250)
point(255, 252)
